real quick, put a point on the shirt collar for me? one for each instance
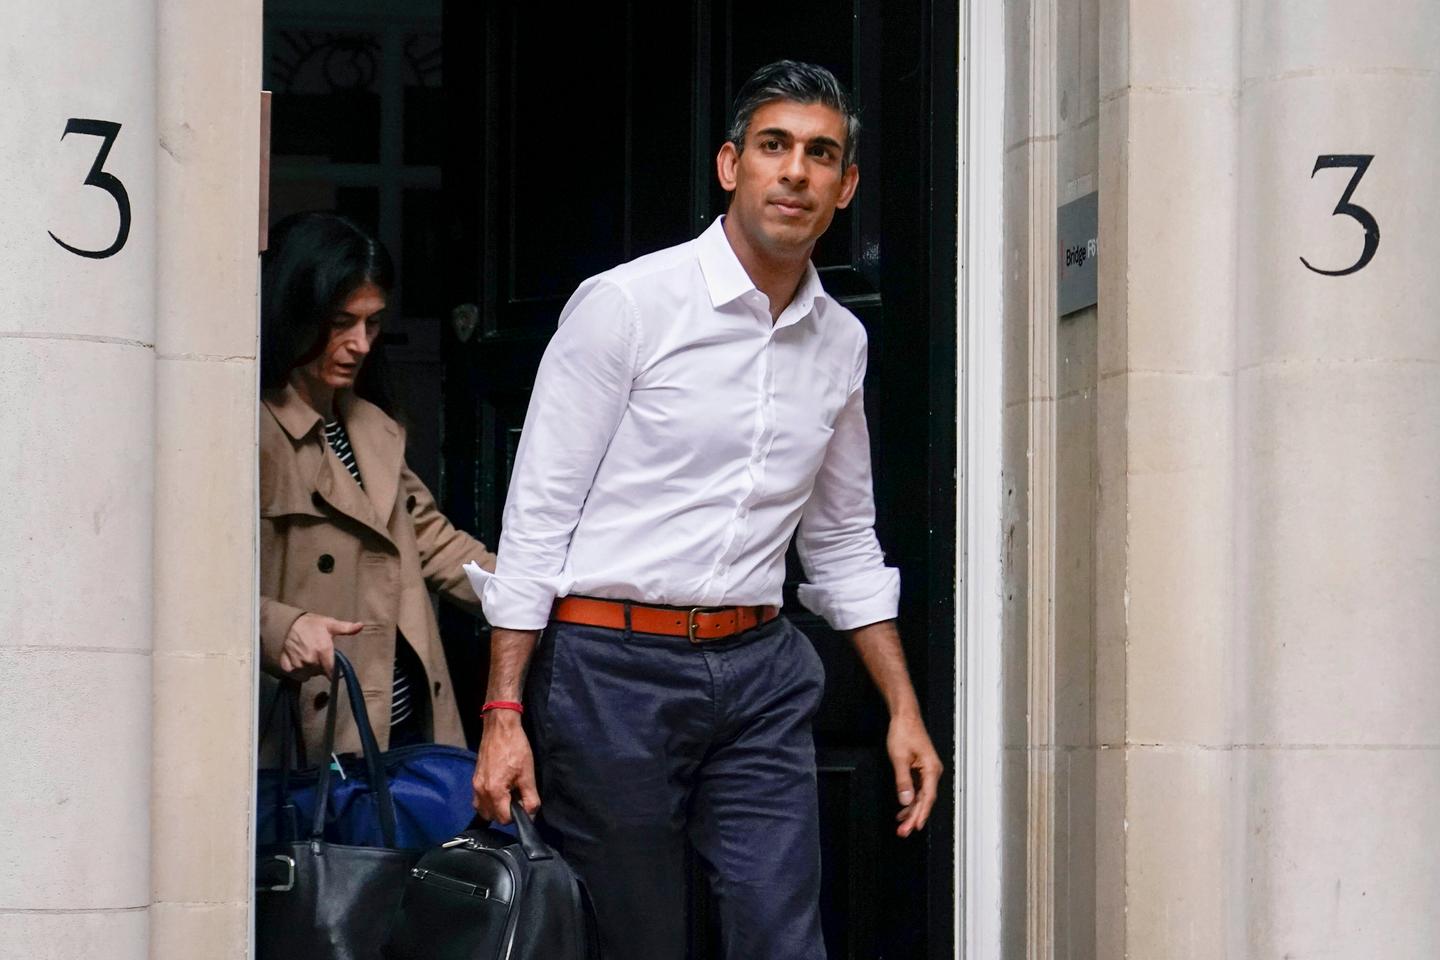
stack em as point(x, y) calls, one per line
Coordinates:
point(726, 280)
point(808, 296)
point(724, 276)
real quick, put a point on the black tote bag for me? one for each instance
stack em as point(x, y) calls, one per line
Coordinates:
point(316, 900)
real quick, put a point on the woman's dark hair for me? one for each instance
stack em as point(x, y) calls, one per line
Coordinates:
point(315, 261)
point(801, 83)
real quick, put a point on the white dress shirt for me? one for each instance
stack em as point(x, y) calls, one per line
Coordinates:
point(676, 437)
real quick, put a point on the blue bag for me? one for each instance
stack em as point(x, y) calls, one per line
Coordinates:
point(430, 793)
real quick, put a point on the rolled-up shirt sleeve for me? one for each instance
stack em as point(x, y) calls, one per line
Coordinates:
point(580, 394)
point(850, 586)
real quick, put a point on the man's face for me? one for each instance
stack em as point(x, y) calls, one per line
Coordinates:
point(789, 180)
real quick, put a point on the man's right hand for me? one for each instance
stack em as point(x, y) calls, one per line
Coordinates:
point(310, 645)
point(504, 766)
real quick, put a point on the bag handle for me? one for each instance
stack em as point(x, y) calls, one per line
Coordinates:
point(292, 739)
point(286, 705)
point(295, 732)
point(530, 841)
point(379, 783)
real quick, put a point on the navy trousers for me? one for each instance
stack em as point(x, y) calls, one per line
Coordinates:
point(643, 742)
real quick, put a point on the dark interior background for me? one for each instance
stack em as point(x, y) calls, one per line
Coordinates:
point(505, 151)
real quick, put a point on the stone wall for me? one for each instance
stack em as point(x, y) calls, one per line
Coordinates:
point(77, 423)
point(206, 408)
point(127, 412)
point(1222, 580)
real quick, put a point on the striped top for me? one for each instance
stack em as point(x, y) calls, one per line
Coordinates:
point(400, 700)
point(340, 442)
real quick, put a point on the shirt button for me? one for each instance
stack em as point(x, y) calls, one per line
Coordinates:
point(326, 563)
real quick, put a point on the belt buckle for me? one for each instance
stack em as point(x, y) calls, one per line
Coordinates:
point(690, 626)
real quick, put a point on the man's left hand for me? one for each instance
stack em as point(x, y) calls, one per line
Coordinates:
point(917, 765)
point(917, 771)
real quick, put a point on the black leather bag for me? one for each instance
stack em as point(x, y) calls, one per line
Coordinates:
point(317, 900)
point(486, 895)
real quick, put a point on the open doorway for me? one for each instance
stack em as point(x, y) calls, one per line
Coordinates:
point(505, 151)
point(357, 127)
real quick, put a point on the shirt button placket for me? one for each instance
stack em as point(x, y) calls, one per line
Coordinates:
point(757, 457)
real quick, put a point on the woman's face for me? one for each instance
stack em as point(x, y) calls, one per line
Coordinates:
point(353, 330)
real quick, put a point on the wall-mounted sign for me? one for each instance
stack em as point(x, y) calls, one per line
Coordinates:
point(1077, 226)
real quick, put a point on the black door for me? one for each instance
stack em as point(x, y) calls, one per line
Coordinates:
point(580, 137)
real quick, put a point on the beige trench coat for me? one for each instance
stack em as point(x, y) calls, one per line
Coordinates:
point(364, 555)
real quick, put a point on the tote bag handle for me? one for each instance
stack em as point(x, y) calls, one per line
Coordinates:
point(379, 782)
point(530, 841)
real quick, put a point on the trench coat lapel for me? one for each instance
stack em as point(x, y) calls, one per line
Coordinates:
point(340, 490)
point(379, 451)
point(333, 481)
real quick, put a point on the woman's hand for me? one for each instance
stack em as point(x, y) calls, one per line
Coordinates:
point(310, 645)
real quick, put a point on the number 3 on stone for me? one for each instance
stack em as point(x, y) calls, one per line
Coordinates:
point(108, 131)
point(1361, 163)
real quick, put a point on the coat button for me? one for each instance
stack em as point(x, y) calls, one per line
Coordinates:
point(321, 699)
point(410, 503)
point(326, 563)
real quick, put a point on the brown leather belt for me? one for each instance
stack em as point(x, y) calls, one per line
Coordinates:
point(698, 624)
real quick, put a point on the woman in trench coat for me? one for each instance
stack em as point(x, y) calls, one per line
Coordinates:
point(351, 541)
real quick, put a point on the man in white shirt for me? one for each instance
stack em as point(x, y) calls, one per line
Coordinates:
point(696, 409)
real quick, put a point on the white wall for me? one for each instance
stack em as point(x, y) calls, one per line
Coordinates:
point(208, 183)
point(77, 425)
point(1337, 721)
point(1264, 588)
point(127, 413)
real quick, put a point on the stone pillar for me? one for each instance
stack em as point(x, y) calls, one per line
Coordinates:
point(205, 474)
point(1336, 754)
point(127, 410)
point(1166, 590)
point(77, 414)
point(1237, 616)
point(1267, 583)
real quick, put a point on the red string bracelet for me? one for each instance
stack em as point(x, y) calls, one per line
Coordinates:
point(502, 705)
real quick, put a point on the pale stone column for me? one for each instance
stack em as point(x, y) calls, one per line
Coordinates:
point(1338, 717)
point(1267, 590)
point(205, 473)
point(127, 410)
point(1165, 587)
point(1029, 157)
point(77, 405)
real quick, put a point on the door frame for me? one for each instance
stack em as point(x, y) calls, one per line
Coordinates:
point(980, 282)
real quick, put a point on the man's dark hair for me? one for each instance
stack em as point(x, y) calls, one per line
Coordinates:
point(315, 261)
point(800, 82)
